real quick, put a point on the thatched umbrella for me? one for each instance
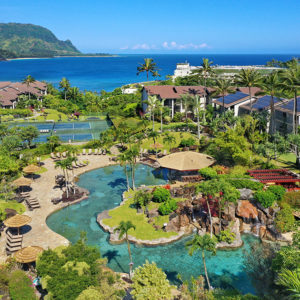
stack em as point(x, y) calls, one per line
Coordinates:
point(31, 169)
point(17, 221)
point(22, 181)
point(186, 161)
point(28, 254)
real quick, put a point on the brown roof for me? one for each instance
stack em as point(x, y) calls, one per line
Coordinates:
point(245, 90)
point(4, 84)
point(40, 85)
point(23, 88)
point(175, 92)
point(6, 98)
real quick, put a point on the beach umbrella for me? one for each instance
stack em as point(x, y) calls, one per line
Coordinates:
point(17, 221)
point(28, 254)
point(186, 161)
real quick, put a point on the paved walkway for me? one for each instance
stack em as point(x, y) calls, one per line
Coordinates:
point(37, 233)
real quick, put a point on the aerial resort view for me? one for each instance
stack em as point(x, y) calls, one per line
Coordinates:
point(157, 159)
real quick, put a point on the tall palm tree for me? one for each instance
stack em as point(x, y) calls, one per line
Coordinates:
point(63, 165)
point(123, 160)
point(74, 93)
point(152, 102)
point(148, 66)
point(248, 78)
point(132, 154)
point(197, 106)
point(187, 100)
point(169, 139)
point(271, 85)
point(223, 87)
point(161, 106)
point(205, 72)
point(28, 80)
point(123, 229)
point(291, 83)
point(154, 135)
point(202, 243)
point(65, 86)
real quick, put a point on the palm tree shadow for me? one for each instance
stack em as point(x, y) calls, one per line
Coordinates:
point(112, 255)
point(118, 182)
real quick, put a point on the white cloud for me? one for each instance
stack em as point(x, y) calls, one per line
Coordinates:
point(143, 46)
point(174, 45)
point(124, 48)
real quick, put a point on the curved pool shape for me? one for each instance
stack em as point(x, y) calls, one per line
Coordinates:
point(106, 186)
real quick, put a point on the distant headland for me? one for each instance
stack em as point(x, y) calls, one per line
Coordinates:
point(33, 41)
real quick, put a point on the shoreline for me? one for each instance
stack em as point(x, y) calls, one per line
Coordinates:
point(28, 58)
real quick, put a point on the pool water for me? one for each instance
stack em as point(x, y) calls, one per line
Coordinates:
point(106, 186)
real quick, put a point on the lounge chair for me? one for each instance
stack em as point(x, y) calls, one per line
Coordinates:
point(53, 156)
point(13, 236)
point(90, 152)
point(165, 153)
point(83, 164)
point(84, 152)
point(13, 243)
point(10, 250)
point(58, 155)
point(104, 152)
point(96, 151)
point(74, 165)
point(100, 152)
point(33, 204)
point(64, 154)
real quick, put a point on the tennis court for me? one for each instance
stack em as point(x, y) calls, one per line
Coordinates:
point(69, 131)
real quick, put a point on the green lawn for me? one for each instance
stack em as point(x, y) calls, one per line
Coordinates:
point(146, 144)
point(144, 230)
point(52, 115)
point(19, 207)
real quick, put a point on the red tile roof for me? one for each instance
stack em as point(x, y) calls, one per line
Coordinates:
point(245, 90)
point(4, 84)
point(24, 88)
point(175, 92)
point(6, 98)
point(40, 85)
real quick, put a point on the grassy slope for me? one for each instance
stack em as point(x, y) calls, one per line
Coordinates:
point(144, 230)
point(19, 207)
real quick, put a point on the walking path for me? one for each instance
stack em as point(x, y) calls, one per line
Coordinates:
point(37, 233)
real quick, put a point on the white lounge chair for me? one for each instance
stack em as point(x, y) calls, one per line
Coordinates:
point(84, 152)
point(58, 155)
point(52, 155)
point(90, 152)
point(96, 151)
point(100, 151)
point(74, 165)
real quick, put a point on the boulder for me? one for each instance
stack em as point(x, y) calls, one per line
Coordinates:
point(153, 213)
point(229, 212)
point(246, 210)
point(262, 217)
point(246, 194)
point(216, 229)
point(173, 225)
point(262, 231)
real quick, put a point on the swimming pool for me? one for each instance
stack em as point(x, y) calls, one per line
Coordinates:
point(106, 186)
point(74, 131)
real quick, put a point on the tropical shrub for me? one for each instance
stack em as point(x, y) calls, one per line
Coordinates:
point(161, 195)
point(208, 173)
point(292, 198)
point(90, 293)
point(265, 198)
point(187, 142)
point(284, 220)
point(278, 191)
point(167, 207)
point(177, 117)
point(246, 184)
point(141, 199)
point(226, 236)
point(20, 286)
point(150, 282)
point(286, 258)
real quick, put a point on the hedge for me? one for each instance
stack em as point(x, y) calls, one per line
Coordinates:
point(246, 184)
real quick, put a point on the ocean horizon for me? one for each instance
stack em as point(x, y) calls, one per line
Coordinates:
point(108, 73)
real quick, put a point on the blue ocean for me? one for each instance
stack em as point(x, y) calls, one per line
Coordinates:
point(108, 73)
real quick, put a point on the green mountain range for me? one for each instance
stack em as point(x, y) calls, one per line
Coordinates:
point(27, 40)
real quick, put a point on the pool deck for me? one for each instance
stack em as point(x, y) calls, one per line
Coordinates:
point(37, 233)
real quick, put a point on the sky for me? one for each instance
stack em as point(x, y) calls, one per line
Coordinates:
point(165, 26)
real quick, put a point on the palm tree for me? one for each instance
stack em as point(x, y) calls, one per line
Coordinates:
point(161, 105)
point(290, 280)
point(148, 66)
point(271, 85)
point(291, 83)
point(63, 165)
point(202, 243)
point(123, 160)
point(28, 80)
point(248, 78)
point(65, 85)
point(152, 102)
point(169, 139)
point(123, 228)
point(74, 93)
point(154, 135)
point(132, 154)
point(187, 99)
point(205, 72)
point(223, 87)
point(197, 106)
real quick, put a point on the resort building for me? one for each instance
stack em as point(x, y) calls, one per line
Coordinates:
point(172, 95)
point(284, 115)
point(10, 92)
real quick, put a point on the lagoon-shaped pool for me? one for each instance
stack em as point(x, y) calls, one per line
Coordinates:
point(106, 186)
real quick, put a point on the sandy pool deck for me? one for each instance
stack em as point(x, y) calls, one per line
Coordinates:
point(37, 233)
